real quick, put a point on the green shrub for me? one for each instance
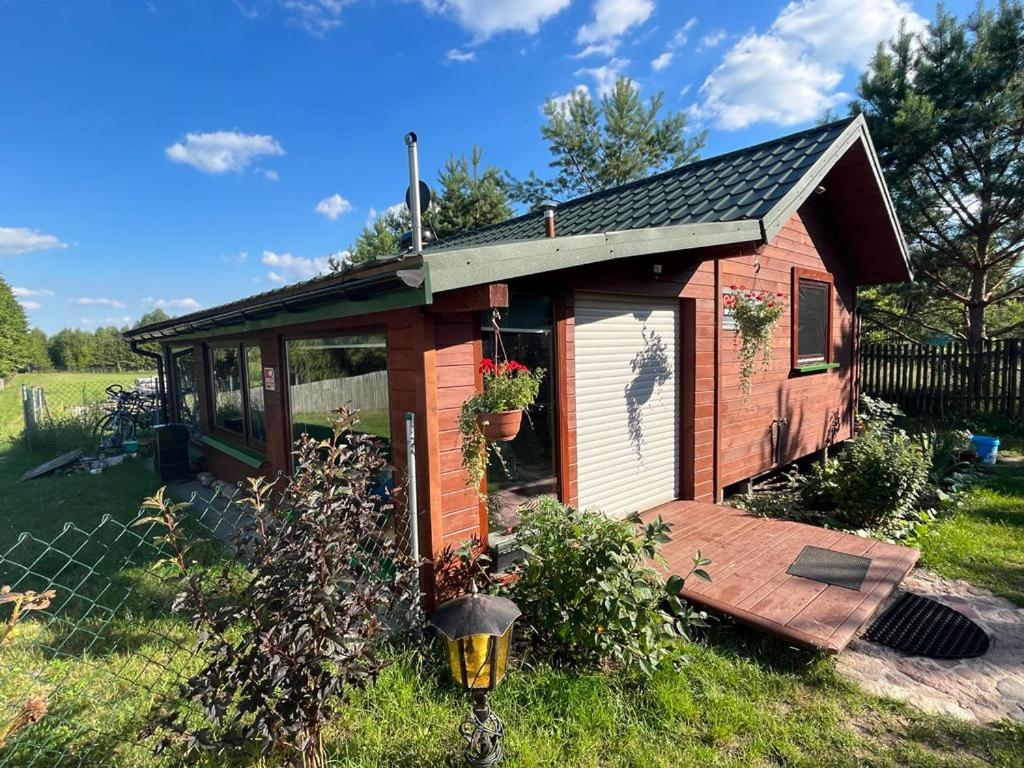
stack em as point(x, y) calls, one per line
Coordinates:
point(877, 415)
point(59, 434)
point(284, 648)
point(875, 481)
point(784, 504)
point(589, 592)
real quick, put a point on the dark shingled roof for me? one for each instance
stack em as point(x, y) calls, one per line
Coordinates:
point(740, 185)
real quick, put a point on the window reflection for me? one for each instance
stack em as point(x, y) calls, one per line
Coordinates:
point(257, 410)
point(527, 335)
point(326, 373)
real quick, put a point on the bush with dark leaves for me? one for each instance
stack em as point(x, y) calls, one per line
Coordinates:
point(285, 644)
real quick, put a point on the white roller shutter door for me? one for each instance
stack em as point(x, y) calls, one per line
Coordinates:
point(627, 402)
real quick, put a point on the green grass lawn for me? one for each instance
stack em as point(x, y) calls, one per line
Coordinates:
point(983, 542)
point(319, 424)
point(63, 389)
point(737, 700)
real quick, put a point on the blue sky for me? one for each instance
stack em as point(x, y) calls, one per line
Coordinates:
point(183, 153)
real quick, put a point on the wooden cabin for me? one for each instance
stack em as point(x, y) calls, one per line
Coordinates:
point(621, 297)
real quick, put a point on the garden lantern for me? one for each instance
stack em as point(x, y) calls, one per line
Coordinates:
point(477, 630)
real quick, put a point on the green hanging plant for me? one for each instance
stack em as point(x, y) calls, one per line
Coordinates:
point(756, 314)
point(509, 388)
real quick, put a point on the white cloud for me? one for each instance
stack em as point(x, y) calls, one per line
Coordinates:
point(222, 151)
point(454, 54)
point(607, 48)
point(290, 269)
point(89, 302)
point(682, 35)
point(23, 240)
point(711, 39)
point(679, 39)
point(561, 100)
point(269, 174)
point(392, 210)
point(605, 75)
point(25, 304)
point(122, 320)
point(24, 292)
point(790, 74)
point(662, 61)
point(485, 18)
point(334, 206)
point(844, 32)
point(318, 17)
point(234, 258)
point(612, 18)
point(186, 303)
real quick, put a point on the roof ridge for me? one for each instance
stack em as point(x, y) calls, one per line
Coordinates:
point(706, 161)
point(654, 178)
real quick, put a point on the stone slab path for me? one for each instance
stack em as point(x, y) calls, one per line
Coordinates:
point(986, 689)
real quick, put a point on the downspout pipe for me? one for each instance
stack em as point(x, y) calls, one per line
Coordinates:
point(160, 386)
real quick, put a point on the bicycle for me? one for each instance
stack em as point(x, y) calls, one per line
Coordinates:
point(128, 411)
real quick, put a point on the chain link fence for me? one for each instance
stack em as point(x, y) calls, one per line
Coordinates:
point(55, 410)
point(89, 643)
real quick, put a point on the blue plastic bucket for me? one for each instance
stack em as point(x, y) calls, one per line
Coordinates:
point(987, 448)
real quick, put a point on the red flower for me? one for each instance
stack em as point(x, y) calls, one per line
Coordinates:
point(487, 366)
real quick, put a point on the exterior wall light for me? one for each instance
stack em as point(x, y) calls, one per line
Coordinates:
point(477, 631)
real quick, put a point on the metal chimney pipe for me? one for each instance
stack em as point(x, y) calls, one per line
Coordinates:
point(414, 192)
point(549, 206)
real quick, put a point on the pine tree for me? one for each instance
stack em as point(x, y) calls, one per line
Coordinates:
point(14, 339)
point(946, 112)
point(470, 197)
point(597, 146)
point(378, 238)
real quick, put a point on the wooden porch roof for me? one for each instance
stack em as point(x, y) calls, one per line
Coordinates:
point(749, 558)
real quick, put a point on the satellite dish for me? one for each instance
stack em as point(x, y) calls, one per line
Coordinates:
point(424, 198)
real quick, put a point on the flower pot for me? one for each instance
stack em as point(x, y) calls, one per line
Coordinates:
point(500, 426)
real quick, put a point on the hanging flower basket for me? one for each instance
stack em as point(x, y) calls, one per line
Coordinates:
point(756, 314)
point(494, 415)
point(500, 426)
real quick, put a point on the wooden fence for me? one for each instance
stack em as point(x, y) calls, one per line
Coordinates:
point(935, 381)
point(368, 392)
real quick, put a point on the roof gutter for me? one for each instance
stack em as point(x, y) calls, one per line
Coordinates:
point(406, 275)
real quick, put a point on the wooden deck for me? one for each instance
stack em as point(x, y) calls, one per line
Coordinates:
point(749, 582)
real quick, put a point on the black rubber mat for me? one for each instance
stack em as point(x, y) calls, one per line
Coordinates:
point(830, 567)
point(923, 627)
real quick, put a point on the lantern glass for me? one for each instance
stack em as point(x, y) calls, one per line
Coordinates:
point(478, 662)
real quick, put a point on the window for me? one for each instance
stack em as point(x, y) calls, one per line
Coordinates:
point(812, 318)
point(257, 421)
point(528, 467)
point(226, 367)
point(326, 373)
point(236, 377)
point(185, 386)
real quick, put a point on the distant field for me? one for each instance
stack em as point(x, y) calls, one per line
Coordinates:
point(64, 389)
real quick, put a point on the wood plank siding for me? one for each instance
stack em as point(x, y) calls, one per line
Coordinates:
point(434, 355)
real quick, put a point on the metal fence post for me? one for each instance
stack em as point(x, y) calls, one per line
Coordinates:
point(27, 414)
point(410, 453)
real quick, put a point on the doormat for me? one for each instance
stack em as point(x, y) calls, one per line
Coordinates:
point(830, 567)
point(924, 627)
